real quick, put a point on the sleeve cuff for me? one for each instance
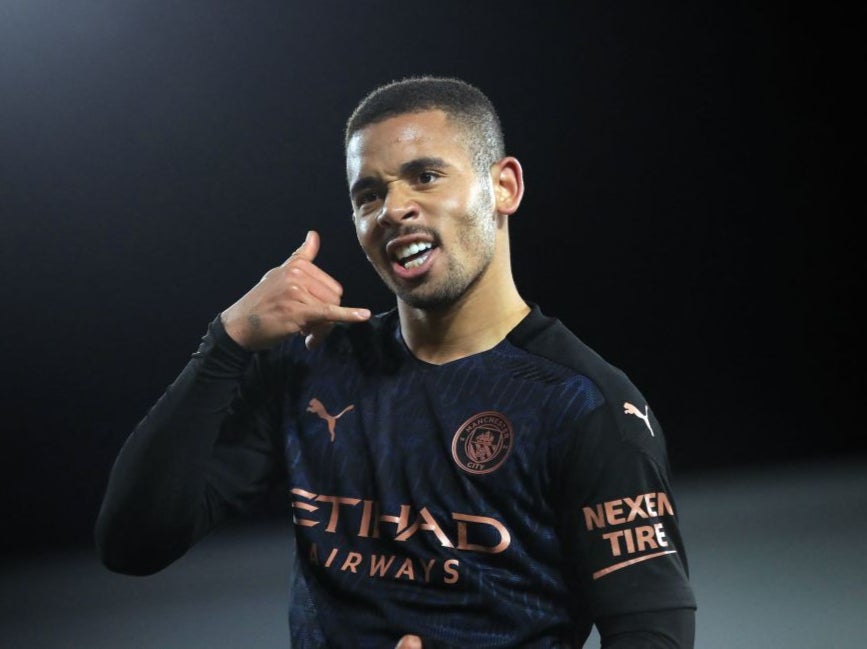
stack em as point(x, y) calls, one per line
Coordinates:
point(221, 351)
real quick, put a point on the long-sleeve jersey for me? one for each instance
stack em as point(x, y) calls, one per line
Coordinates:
point(505, 499)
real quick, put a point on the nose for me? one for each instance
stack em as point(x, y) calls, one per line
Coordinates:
point(397, 206)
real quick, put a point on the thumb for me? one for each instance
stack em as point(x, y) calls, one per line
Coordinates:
point(307, 250)
point(409, 642)
point(416, 642)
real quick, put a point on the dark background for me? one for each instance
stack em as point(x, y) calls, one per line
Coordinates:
point(685, 211)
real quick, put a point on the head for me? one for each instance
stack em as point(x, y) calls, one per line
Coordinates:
point(430, 187)
point(467, 108)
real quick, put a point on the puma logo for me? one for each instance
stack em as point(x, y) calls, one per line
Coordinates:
point(629, 409)
point(316, 406)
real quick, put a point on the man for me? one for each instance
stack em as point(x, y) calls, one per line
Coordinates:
point(463, 470)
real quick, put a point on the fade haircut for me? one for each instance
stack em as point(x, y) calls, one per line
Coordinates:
point(464, 105)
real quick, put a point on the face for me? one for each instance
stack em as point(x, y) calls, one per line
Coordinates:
point(424, 217)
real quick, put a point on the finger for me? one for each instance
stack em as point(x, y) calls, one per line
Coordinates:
point(409, 642)
point(317, 331)
point(330, 313)
point(315, 280)
point(307, 250)
point(312, 313)
point(303, 258)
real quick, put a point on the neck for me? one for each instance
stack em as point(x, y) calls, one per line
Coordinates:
point(478, 321)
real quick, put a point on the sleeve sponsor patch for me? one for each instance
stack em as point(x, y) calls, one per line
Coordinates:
point(629, 530)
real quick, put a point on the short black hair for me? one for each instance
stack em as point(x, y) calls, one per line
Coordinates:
point(463, 103)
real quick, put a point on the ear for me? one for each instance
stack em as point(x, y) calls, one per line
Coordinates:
point(508, 179)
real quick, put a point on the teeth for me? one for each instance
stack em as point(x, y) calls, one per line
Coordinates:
point(412, 249)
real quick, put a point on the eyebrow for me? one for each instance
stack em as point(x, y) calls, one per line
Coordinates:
point(410, 168)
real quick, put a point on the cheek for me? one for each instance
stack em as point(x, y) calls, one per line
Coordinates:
point(361, 229)
point(479, 200)
point(454, 205)
point(363, 233)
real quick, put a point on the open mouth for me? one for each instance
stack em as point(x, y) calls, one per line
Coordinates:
point(413, 255)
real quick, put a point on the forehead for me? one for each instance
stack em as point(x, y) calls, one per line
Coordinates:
point(399, 139)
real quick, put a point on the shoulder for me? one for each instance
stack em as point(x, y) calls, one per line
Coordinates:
point(549, 338)
point(623, 415)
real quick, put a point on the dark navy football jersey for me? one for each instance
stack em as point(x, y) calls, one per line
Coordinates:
point(506, 499)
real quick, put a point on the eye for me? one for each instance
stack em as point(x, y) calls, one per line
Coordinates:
point(366, 197)
point(427, 177)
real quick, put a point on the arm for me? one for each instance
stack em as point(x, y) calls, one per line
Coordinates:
point(199, 454)
point(627, 563)
point(206, 449)
point(667, 629)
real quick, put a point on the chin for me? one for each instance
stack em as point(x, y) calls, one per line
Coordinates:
point(426, 303)
point(436, 300)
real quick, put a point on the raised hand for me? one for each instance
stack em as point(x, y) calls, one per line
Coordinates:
point(295, 297)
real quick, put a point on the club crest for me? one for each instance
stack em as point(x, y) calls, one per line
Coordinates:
point(483, 442)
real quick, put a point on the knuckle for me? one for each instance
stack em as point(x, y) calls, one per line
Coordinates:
point(293, 290)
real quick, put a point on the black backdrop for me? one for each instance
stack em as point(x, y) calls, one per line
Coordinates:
point(684, 213)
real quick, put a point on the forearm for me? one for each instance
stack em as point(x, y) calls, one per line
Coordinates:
point(156, 503)
point(666, 629)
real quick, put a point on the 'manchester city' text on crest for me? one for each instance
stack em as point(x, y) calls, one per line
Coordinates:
point(483, 442)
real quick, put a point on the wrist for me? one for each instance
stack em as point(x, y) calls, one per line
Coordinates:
point(238, 329)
